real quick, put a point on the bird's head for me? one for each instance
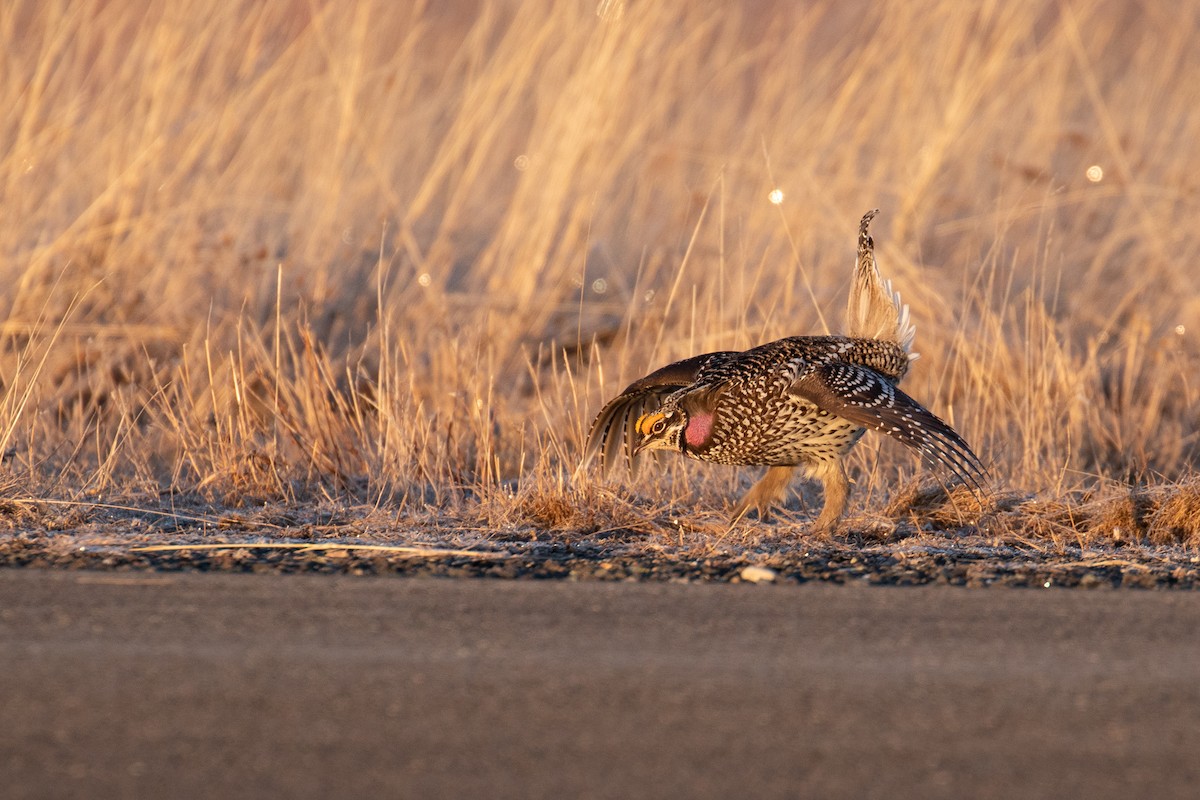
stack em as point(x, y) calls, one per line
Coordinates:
point(661, 430)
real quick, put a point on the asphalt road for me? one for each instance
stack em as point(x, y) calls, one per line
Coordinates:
point(192, 685)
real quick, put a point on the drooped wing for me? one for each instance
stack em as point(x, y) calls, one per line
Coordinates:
point(866, 398)
point(613, 432)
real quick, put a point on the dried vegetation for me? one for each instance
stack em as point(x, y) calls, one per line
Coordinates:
point(387, 259)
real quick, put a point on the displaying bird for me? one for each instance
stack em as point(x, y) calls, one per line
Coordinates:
point(799, 402)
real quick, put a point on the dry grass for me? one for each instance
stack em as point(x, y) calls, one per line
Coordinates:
point(394, 256)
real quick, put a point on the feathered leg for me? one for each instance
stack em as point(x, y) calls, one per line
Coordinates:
point(836, 484)
point(769, 490)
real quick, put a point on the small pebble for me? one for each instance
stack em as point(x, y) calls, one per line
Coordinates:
point(753, 574)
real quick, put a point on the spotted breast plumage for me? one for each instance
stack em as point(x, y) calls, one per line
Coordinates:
point(803, 401)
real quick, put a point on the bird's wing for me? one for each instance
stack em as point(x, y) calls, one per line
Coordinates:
point(613, 429)
point(866, 398)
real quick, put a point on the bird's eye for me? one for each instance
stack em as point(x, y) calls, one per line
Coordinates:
point(658, 427)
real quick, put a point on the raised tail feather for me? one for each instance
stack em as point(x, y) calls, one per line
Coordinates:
point(875, 311)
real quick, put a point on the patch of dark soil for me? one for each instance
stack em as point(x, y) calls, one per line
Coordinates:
point(972, 567)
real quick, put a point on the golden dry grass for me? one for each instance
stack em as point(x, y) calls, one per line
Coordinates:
point(397, 255)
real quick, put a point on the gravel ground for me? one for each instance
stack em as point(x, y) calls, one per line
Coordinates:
point(838, 563)
point(329, 538)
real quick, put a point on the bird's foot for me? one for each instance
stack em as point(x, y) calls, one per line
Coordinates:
point(769, 490)
point(747, 504)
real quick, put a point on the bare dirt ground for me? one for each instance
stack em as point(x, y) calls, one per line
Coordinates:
point(218, 685)
point(364, 541)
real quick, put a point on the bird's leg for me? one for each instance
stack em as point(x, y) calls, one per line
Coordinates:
point(836, 485)
point(769, 489)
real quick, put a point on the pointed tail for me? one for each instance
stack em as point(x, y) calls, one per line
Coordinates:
point(875, 311)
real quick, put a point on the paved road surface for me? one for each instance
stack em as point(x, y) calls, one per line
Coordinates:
point(154, 685)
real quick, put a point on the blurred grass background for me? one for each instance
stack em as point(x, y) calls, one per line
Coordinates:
point(402, 252)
